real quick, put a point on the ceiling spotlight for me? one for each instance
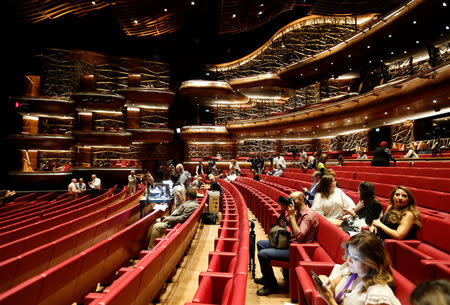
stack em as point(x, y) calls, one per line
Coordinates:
point(368, 47)
point(370, 61)
point(93, 2)
point(348, 121)
point(234, 16)
point(385, 113)
point(417, 41)
point(262, 4)
point(414, 22)
point(165, 10)
point(315, 69)
point(349, 55)
point(260, 12)
point(366, 117)
point(392, 53)
point(444, 3)
point(434, 101)
point(408, 107)
point(404, 51)
point(446, 27)
point(135, 21)
point(390, 35)
point(192, 2)
point(332, 63)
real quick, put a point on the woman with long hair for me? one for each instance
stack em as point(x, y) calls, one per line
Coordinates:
point(330, 201)
point(364, 279)
point(402, 219)
point(366, 211)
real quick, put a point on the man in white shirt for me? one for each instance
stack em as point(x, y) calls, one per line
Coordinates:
point(95, 185)
point(132, 182)
point(72, 189)
point(279, 160)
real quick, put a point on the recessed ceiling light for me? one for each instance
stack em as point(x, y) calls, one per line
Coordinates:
point(93, 2)
point(135, 21)
point(434, 101)
point(368, 47)
point(414, 22)
point(260, 12)
point(385, 113)
point(192, 2)
point(444, 3)
point(234, 16)
point(390, 35)
point(417, 41)
point(408, 107)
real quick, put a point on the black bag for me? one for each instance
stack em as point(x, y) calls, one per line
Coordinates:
point(209, 218)
point(279, 236)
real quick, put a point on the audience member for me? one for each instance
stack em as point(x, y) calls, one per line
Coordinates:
point(179, 194)
point(234, 166)
point(231, 176)
point(402, 219)
point(312, 161)
point(81, 187)
point(159, 173)
point(72, 191)
point(277, 171)
point(321, 164)
point(340, 160)
point(411, 153)
point(132, 183)
point(260, 163)
point(366, 211)
point(303, 156)
point(432, 293)
point(364, 279)
point(95, 185)
point(304, 165)
point(197, 182)
point(311, 193)
point(148, 181)
point(255, 174)
point(179, 215)
point(331, 201)
point(199, 169)
point(303, 224)
point(279, 160)
point(184, 176)
point(213, 184)
point(382, 155)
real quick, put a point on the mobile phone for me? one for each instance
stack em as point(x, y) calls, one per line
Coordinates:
point(317, 279)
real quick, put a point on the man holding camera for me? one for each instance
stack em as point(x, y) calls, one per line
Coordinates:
point(303, 224)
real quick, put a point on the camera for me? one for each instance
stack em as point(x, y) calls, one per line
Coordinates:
point(285, 201)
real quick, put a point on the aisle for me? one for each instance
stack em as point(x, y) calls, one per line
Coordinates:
point(275, 299)
point(185, 282)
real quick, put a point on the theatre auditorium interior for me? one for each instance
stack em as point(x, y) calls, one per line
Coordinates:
point(225, 152)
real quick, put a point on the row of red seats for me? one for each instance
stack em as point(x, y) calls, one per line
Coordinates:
point(429, 201)
point(225, 280)
point(414, 163)
point(86, 257)
point(34, 214)
point(321, 256)
point(413, 171)
point(48, 254)
point(21, 232)
point(143, 282)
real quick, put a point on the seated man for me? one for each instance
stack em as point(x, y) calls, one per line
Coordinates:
point(214, 185)
point(179, 215)
point(311, 193)
point(303, 223)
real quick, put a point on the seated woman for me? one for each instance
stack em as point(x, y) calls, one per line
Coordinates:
point(234, 166)
point(402, 219)
point(366, 211)
point(411, 153)
point(364, 279)
point(255, 174)
point(331, 201)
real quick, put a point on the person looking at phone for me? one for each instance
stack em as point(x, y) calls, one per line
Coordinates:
point(364, 279)
point(303, 224)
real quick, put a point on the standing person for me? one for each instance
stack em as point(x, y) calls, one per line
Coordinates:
point(81, 187)
point(179, 215)
point(312, 161)
point(255, 174)
point(364, 279)
point(303, 223)
point(303, 155)
point(321, 164)
point(160, 173)
point(147, 180)
point(402, 219)
point(311, 193)
point(279, 160)
point(199, 169)
point(95, 185)
point(260, 163)
point(132, 183)
point(184, 176)
point(72, 191)
point(234, 166)
point(382, 155)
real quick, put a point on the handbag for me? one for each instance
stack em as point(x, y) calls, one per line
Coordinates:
point(279, 236)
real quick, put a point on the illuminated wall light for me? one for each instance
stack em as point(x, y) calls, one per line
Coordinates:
point(392, 53)
point(446, 27)
point(135, 21)
point(408, 107)
point(93, 2)
point(434, 101)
